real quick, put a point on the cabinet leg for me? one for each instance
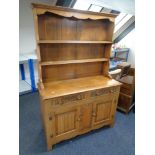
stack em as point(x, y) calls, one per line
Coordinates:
point(126, 112)
point(49, 147)
point(112, 123)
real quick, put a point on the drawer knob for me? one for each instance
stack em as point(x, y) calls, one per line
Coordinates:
point(94, 114)
point(51, 135)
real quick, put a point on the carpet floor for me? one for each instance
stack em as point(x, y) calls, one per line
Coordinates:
point(119, 140)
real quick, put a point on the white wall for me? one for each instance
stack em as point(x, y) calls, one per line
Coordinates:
point(26, 25)
point(129, 42)
point(26, 31)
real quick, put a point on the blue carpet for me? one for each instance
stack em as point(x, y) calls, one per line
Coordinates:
point(119, 140)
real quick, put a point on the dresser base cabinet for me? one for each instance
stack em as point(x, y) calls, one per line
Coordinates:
point(65, 117)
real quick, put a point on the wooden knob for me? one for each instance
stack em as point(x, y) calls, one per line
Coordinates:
point(51, 135)
point(94, 114)
point(79, 119)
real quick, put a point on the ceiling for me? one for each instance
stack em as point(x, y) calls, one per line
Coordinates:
point(125, 6)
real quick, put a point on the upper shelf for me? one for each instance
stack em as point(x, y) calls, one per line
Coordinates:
point(72, 61)
point(73, 42)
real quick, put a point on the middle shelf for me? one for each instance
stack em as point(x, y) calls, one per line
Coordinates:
point(73, 42)
point(72, 61)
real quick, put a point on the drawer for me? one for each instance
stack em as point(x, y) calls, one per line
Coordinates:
point(126, 91)
point(67, 99)
point(104, 91)
point(75, 98)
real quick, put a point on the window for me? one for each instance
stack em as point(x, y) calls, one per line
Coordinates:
point(81, 5)
point(95, 8)
point(87, 5)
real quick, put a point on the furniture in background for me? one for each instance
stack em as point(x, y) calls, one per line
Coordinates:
point(118, 56)
point(121, 54)
point(115, 74)
point(125, 67)
point(77, 95)
point(127, 92)
point(131, 72)
point(24, 87)
point(113, 64)
point(27, 85)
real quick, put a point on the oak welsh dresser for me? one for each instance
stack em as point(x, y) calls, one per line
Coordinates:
point(76, 92)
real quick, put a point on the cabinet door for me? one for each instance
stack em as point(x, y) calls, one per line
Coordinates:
point(65, 122)
point(103, 109)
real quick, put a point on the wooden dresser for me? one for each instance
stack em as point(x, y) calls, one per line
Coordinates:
point(76, 92)
point(127, 92)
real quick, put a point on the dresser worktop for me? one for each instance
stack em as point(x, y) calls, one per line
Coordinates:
point(66, 87)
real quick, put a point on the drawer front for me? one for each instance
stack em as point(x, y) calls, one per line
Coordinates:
point(78, 97)
point(126, 91)
point(104, 91)
point(67, 99)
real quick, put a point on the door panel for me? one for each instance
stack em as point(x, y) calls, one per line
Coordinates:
point(66, 121)
point(102, 109)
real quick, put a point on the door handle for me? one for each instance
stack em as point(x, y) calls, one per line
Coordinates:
point(50, 118)
point(78, 119)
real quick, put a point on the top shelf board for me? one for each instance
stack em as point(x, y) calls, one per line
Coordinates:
point(68, 12)
point(73, 42)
